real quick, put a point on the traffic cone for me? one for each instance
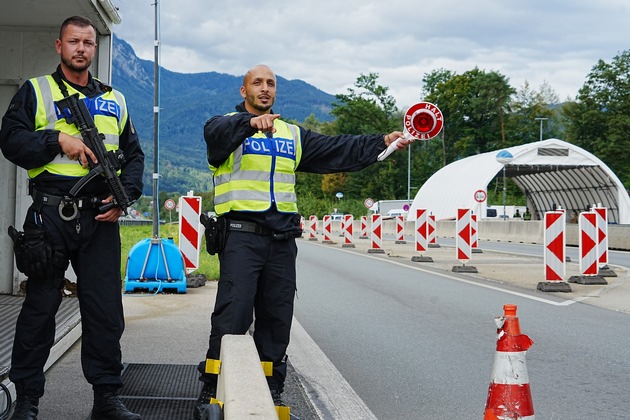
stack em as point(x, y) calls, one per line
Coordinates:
point(509, 396)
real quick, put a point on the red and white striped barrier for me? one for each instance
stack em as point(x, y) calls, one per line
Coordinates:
point(348, 221)
point(421, 230)
point(377, 234)
point(302, 224)
point(587, 222)
point(462, 240)
point(555, 245)
point(364, 228)
point(400, 230)
point(190, 231)
point(327, 229)
point(474, 235)
point(312, 228)
point(602, 235)
point(431, 231)
point(509, 394)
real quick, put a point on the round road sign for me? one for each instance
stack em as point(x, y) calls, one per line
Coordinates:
point(368, 202)
point(169, 204)
point(480, 196)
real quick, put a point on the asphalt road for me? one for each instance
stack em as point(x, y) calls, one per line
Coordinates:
point(419, 343)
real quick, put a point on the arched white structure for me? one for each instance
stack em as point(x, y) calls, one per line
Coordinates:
point(552, 173)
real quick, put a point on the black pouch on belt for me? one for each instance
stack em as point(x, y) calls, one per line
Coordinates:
point(34, 252)
point(215, 233)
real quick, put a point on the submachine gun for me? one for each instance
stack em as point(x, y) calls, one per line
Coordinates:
point(75, 112)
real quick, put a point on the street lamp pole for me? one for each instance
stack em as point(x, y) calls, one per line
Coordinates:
point(541, 119)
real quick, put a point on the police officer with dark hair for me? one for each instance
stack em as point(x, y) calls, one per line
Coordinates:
point(254, 156)
point(60, 228)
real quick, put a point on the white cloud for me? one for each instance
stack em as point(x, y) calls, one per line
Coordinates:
point(329, 43)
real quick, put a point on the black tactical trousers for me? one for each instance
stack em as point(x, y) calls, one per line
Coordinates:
point(93, 249)
point(257, 276)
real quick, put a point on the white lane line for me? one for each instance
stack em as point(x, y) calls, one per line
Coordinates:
point(472, 283)
point(329, 392)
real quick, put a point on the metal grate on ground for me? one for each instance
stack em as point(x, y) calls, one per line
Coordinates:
point(160, 392)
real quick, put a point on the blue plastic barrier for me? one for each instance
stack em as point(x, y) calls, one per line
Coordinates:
point(155, 265)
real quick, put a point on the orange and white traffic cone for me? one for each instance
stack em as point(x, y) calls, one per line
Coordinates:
point(509, 396)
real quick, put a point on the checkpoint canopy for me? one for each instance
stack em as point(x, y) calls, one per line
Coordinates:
point(551, 173)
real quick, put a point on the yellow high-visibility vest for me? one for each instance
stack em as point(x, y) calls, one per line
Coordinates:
point(261, 170)
point(109, 111)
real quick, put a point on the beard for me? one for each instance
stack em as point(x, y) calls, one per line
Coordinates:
point(251, 100)
point(75, 67)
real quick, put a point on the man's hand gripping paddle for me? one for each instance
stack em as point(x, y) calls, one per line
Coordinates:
point(422, 121)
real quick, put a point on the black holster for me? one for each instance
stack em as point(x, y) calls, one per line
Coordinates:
point(34, 252)
point(215, 231)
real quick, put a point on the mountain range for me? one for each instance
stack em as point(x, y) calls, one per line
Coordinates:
point(186, 101)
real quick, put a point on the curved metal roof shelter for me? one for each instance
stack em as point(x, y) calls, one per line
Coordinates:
point(551, 173)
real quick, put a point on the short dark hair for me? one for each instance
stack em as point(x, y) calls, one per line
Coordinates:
point(80, 21)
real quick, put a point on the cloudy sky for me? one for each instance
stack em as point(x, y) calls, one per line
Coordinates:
point(329, 43)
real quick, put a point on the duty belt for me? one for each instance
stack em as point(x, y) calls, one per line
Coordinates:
point(68, 207)
point(250, 227)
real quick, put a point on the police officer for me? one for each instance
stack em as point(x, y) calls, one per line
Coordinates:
point(254, 156)
point(36, 138)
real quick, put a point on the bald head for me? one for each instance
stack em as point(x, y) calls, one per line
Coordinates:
point(259, 89)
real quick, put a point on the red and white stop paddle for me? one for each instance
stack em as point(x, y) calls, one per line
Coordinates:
point(422, 121)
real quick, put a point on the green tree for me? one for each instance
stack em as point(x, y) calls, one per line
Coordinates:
point(599, 121)
point(474, 105)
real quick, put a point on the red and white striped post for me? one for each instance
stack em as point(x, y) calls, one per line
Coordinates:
point(589, 254)
point(587, 222)
point(432, 232)
point(348, 221)
point(302, 224)
point(312, 228)
point(421, 230)
point(420, 236)
point(400, 230)
point(327, 228)
point(377, 235)
point(555, 253)
point(463, 249)
point(602, 235)
point(474, 235)
point(190, 231)
point(364, 228)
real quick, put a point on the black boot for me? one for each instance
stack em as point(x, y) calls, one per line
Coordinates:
point(26, 408)
point(207, 393)
point(109, 406)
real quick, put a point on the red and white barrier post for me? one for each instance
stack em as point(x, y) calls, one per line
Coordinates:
point(348, 221)
point(364, 228)
point(474, 235)
point(190, 232)
point(312, 228)
point(589, 255)
point(432, 232)
point(420, 236)
point(463, 248)
point(327, 228)
point(602, 241)
point(400, 230)
point(377, 235)
point(554, 253)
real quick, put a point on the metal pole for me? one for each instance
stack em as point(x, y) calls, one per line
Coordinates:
point(156, 125)
point(409, 175)
point(504, 196)
point(541, 125)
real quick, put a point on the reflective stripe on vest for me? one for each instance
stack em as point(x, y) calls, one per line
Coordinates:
point(260, 171)
point(109, 111)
